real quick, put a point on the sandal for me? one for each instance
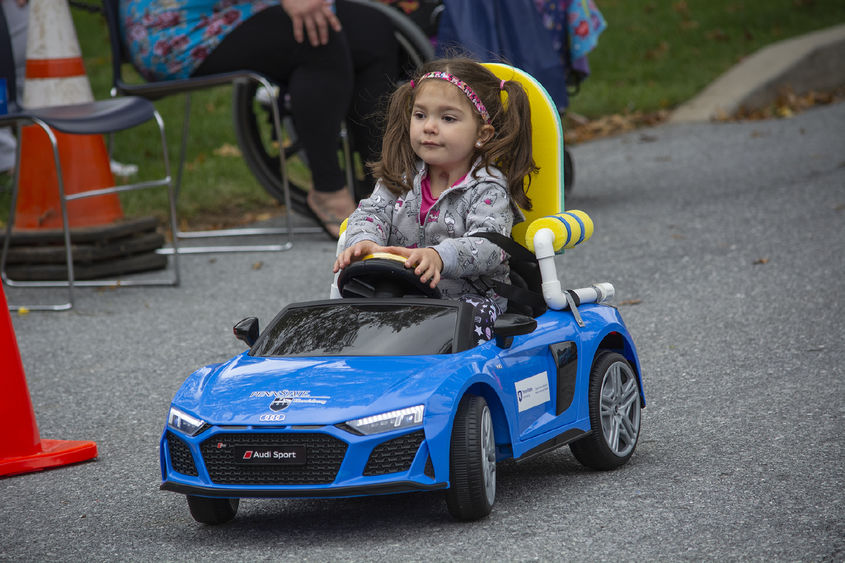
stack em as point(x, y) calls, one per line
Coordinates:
point(328, 221)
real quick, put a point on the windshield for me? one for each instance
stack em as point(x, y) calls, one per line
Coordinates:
point(340, 329)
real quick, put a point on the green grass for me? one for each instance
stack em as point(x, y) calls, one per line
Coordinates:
point(655, 54)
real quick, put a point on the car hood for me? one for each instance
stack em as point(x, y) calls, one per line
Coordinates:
point(324, 390)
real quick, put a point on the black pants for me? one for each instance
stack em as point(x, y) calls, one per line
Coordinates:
point(350, 75)
point(375, 60)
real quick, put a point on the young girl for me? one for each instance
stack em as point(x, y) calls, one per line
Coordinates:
point(456, 150)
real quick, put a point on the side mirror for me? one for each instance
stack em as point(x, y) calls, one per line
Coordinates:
point(247, 330)
point(508, 325)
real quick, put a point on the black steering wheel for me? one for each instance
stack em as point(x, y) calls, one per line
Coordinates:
point(383, 275)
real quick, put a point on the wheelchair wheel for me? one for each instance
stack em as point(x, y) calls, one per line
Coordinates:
point(254, 119)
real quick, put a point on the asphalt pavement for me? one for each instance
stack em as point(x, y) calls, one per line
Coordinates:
point(725, 242)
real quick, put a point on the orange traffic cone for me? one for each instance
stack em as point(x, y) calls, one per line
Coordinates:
point(55, 76)
point(21, 449)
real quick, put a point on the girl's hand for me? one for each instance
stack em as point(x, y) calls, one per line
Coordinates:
point(426, 262)
point(356, 252)
point(315, 16)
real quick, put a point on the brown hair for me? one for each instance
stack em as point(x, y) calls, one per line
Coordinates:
point(509, 149)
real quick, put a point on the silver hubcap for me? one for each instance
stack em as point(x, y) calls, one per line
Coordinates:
point(620, 409)
point(488, 455)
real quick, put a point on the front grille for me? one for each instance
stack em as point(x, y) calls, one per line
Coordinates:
point(180, 456)
point(394, 455)
point(323, 454)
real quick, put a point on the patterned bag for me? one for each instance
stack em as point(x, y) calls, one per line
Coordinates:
point(585, 25)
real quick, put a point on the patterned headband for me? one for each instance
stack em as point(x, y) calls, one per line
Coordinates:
point(473, 97)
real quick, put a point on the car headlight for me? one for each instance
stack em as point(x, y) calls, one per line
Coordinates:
point(393, 420)
point(185, 423)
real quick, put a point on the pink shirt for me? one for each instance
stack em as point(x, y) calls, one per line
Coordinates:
point(427, 199)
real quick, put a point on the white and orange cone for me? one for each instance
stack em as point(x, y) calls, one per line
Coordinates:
point(56, 76)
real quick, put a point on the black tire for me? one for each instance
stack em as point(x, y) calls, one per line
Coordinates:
point(614, 399)
point(568, 172)
point(472, 461)
point(253, 120)
point(212, 510)
point(256, 138)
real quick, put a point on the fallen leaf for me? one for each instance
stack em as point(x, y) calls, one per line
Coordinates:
point(658, 52)
point(682, 8)
point(717, 35)
point(721, 115)
point(258, 265)
point(761, 261)
point(227, 149)
point(630, 302)
point(784, 111)
point(577, 128)
point(788, 104)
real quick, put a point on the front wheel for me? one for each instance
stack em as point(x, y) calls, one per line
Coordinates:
point(207, 510)
point(472, 464)
point(614, 399)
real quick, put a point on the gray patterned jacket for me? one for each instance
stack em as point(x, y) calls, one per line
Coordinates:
point(474, 205)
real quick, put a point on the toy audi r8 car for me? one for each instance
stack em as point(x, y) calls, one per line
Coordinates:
point(374, 395)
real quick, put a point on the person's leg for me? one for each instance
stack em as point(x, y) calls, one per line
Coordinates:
point(319, 83)
point(375, 58)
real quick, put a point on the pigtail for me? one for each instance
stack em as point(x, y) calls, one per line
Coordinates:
point(506, 104)
point(510, 149)
point(397, 165)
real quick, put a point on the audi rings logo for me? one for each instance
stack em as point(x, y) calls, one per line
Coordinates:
point(280, 403)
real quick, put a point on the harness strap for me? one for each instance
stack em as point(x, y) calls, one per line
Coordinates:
point(517, 252)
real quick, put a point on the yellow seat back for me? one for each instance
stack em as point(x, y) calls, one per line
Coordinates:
point(546, 191)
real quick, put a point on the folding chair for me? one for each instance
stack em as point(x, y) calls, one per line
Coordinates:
point(157, 90)
point(94, 118)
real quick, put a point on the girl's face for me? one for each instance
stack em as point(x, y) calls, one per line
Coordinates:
point(445, 128)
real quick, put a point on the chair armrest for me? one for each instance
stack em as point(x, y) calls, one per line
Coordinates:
point(164, 88)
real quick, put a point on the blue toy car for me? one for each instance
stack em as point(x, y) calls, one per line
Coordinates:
point(388, 394)
point(382, 389)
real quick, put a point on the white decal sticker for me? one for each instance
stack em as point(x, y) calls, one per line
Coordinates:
point(532, 391)
point(283, 399)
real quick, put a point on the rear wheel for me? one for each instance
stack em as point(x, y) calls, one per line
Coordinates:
point(213, 510)
point(614, 398)
point(472, 465)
